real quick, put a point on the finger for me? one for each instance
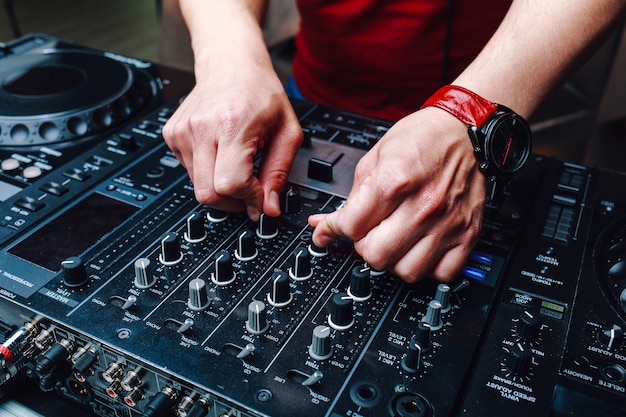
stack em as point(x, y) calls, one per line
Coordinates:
point(451, 263)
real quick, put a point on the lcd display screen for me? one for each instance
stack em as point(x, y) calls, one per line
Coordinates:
point(74, 231)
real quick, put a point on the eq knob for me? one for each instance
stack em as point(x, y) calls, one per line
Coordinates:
point(442, 295)
point(170, 249)
point(246, 246)
point(318, 251)
point(224, 273)
point(342, 312)
point(216, 215)
point(519, 360)
point(74, 272)
point(301, 269)
point(360, 288)
point(195, 227)
point(268, 228)
point(433, 315)
point(144, 278)
point(528, 326)
point(198, 297)
point(257, 318)
point(280, 294)
point(321, 347)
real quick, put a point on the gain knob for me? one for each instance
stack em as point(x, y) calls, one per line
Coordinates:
point(170, 249)
point(280, 295)
point(360, 288)
point(74, 272)
point(246, 246)
point(224, 273)
point(528, 326)
point(198, 297)
point(412, 360)
point(321, 347)
point(268, 228)
point(433, 315)
point(301, 269)
point(257, 318)
point(195, 228)
point(144, 278)
point(519, 360)
point(342, 313)
point(422, 336)
point(442, 295)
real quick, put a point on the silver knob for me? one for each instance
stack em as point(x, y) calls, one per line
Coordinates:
point(433, 315)
point(144, 278)
point(257, 318)
point(321, 347)
point(443, 296)
point(198, 297)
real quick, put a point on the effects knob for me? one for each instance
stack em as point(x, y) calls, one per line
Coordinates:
point(528, 327)
point(216, 215)
point(519, 360)
point(292, 201)
point(144, 278)
point(321, 347)
point(433, 315)
point(170, 249)
point(342, 313)
point(224, 273)
point(268, 228)
point(301, 269)
point(246, 246)
point(257, 318)
point(198, 297)
point(195, 228)
point(280, 295)
point(442, 295)
point(612, 338)
point(74, 272)
point(360, 288)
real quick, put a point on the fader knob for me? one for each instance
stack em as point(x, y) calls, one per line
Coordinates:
point(195, 227)
point(301, 269)
point(342, 313)
point(519, 360)
point(198, 296)
point(170, 249)
point(321, 347)
point(257, 317)
point(280, 294)
point(74, 272)
point(442, 295)
point(246, 246)
point(433, 315)
point(360, 285)
point(144, 278)
point(224, 273)
point(267, 227)
point(528, 327)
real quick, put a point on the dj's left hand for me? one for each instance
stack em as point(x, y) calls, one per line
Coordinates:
point(416, 205)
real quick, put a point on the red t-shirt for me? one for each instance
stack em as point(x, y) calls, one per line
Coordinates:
point(384, 57)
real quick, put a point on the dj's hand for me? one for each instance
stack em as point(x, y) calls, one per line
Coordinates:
point(219, 128)
point(416, 204)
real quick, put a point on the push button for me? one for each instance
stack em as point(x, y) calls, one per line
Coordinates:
point(29, 204)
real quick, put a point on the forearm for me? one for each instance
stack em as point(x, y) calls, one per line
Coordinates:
point(536, 47)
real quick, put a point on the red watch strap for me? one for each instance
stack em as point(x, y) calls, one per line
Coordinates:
point(463, 104)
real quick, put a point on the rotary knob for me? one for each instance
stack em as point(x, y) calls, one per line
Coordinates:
point(257, 318)
point(246, 246)
point(318, 251)
point(144, 278)
point(280, 294)
point(342, 313)
point(360, 285)
point(528, 327)
point(268, 228)
point(195, 228)
point(74, 272)
point(412, 360)
point(198, 297)
point(612, 338)
point(442, 295)
point(224, 273)
point(292, 201)
point(519, 360)
point(433, 315)
point(321, 347)
point(216, 215)
point(422, 336)
point(170, 249)
point(301, 269)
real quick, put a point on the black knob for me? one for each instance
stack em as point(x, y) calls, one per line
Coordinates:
point(360, 285)
point(612, 338)
point(246, 246)
point(198, 296)
point(267, 227)
point(321, 347)
point(144, 278)
point(301, 269)
point(224, 273)
point(422, 336)
point(528, 327)
point(216, 215)
point(412, 359)
point(170, 249)
point(519, 360)
point(195, 227)
point(342, 313)
point(257, 318)
point(318, 251)
point(74, 272)
point(280, 294)
point(292, 201)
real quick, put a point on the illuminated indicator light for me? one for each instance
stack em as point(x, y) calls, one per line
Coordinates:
point(474, 273)
point(481, 258)
point(553, 306)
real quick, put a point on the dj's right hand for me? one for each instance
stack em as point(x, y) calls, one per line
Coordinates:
point(220, 127)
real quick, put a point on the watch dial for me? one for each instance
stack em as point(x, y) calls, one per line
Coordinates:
point(508, 143)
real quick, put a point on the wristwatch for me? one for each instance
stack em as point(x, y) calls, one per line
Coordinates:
point(501, 138)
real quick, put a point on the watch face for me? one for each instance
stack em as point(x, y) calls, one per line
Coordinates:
point(508, 143)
